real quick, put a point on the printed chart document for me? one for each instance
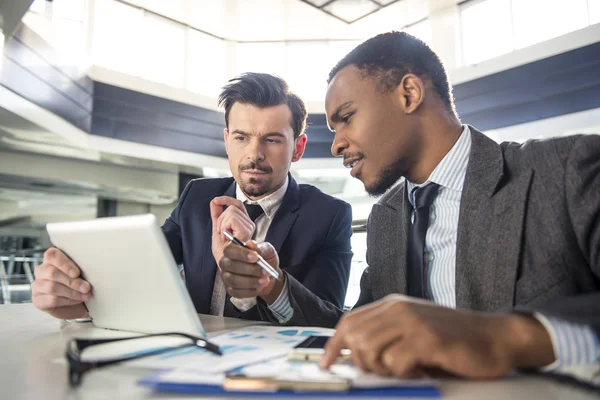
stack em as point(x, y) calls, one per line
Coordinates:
point(240, 348)
point(261, 352)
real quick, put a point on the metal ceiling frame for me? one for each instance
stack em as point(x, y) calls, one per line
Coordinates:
point(322, 8)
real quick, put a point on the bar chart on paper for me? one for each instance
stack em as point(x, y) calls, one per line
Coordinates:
point(241, 347)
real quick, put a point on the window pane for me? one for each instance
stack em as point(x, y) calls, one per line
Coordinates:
point(307, 70)
point(116, 36)
point(162, 45)
point(172, 8)
point(69, 39)
point(594, 10)
point(206, 75)
point(339, 49)
point(539, 20)
point(259, 20)
point(260, 57)
point(66, 36)
point(38, 6)
point(357, 267)
point(209, 16)
point(421, 29)
point(486, 29)
point(69, 9)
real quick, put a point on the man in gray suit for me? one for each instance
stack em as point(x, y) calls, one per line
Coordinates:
point(501, 243)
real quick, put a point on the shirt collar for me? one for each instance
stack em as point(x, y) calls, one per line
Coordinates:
point(270, 203)
point(451, 171)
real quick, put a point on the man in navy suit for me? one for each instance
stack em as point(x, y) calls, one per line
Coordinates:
point(303, 233)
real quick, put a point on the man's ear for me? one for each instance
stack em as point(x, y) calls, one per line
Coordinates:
point(226, 139)
point(410, 93)
point(299, 147)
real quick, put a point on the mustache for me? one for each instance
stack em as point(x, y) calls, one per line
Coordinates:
point(262, 168)
point(350, 156)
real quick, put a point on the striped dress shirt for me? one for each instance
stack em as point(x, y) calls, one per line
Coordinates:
point(573, 343)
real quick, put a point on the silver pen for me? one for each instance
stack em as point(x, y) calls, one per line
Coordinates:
point(261, 261)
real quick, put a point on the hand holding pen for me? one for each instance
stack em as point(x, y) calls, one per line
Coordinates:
point(243, 276)
point(261, 261)
point(248, 269)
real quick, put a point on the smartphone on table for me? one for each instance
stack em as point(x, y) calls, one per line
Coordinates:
point(312, 349)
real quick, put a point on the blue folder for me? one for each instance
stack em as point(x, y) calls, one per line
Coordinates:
point(154, 382)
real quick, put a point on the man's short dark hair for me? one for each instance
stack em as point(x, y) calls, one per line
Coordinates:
point(388, 57)
point(263, 90)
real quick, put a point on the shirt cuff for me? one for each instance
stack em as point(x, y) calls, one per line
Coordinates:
point(243, 305)
point(281, 307)
point(573, 344)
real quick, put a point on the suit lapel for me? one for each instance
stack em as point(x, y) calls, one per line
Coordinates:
point(388, 242)
point(490, 227)
point(209, 266)
point(285, 216)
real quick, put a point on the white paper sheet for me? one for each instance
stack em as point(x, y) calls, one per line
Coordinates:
point(282, 369)
point(241, 347)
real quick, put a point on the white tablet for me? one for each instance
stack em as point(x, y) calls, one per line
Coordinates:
point(136, 283)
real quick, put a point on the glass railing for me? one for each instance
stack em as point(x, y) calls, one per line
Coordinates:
point(16, 275)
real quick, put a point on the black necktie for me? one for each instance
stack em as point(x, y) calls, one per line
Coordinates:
point(417, 265)
point(254, 211)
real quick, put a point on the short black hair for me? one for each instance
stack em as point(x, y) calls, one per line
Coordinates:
point(388, 57)
point(263, 90)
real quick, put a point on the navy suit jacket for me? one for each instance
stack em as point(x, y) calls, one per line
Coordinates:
point(311, 232)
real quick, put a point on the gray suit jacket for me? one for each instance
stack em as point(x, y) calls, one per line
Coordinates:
point(528, 234)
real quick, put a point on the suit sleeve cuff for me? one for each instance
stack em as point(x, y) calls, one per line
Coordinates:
point(281, 307)
point(573, 344)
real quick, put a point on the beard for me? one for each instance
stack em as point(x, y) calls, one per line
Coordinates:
point(254, 187)
point(386, 178)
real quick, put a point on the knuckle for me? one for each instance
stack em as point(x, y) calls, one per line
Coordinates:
point(388, 358)
point(39, 303)
point(75, 283)
point(399, 305)
point(50, 253)
point(53, 273)
point(228, 279)
point(390, 297)
point(51, 286)
point(225, 262)
point(52, 302)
